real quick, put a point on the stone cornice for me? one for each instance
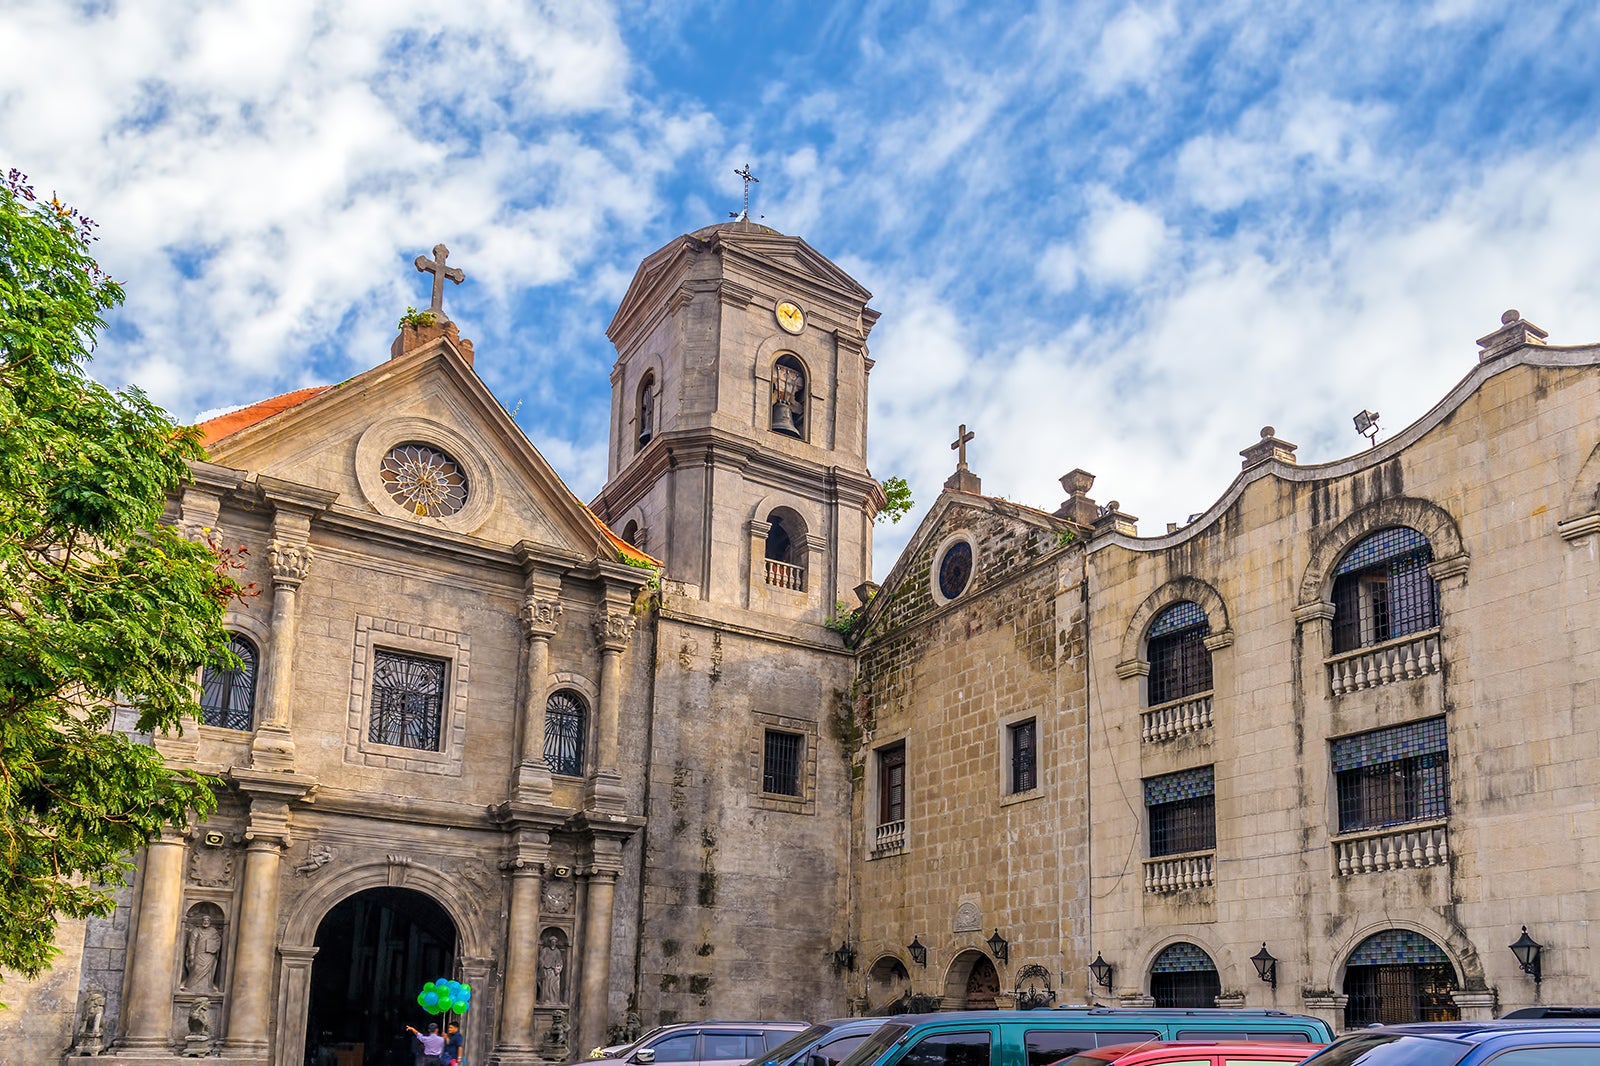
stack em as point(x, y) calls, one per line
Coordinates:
point(292, 496)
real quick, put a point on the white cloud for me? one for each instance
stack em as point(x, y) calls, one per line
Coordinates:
point(1122, 242)
point(1057, 267)
point(1132, 48)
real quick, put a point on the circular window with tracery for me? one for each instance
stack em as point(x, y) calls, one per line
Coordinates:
point(424, 480)
point(955, 570)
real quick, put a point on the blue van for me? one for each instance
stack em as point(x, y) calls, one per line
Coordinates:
point(1040, 1037)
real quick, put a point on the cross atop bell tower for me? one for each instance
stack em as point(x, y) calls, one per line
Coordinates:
point(436, 267)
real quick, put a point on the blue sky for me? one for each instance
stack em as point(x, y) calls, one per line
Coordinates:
point(1118, 236)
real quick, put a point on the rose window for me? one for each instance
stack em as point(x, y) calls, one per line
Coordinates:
point(424, 480)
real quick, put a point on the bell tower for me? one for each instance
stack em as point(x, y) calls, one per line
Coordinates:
point(739, 422)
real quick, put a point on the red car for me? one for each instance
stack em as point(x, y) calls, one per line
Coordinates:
point(1192, 1053)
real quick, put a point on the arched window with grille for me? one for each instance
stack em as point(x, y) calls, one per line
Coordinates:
point(566, 720)
point(789, 396)
point(1183, 975)
point(1382, 590)
point(1180, 663)
point(228, 694)
point(645, 410)
point(1398, 976)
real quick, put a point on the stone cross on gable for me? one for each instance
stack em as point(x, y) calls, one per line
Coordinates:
point(436, 267)
point(959, 445)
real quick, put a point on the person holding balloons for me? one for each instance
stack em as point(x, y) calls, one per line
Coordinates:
point(430, 1045)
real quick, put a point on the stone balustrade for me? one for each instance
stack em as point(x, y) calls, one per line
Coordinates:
point(1404, 847)
point(1190, 714)
point(1413, 655)
point(889, 837)
point(784, 576)
point(1174, 873)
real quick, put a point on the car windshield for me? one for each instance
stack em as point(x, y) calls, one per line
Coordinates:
point(1390, 1049)
point(876, 1044)
point(791, 1047)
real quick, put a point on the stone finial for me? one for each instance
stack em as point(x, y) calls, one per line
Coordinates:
point(1078, 508)
point(1514, 332)
point(414, 336)
point(963, 480)
point(1270, 448)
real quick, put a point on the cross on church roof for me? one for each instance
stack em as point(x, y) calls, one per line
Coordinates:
point(436, 267)
point(960, 445)
point(749, 179)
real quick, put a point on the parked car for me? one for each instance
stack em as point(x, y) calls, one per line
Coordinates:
point(824, 1044)
point(711, 1043)
point(1040, 1037)
point(1552, 1012)
point(1194, 1053)
point(1520, 1042)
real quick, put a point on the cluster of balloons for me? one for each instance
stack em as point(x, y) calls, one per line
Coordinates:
point(445, 997)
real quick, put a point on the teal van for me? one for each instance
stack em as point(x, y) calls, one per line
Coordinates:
point(1040, 1037)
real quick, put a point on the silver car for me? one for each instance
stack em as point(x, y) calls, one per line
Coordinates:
point(710, 1043)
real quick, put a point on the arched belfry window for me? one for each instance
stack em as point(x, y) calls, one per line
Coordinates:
point(645, 409)
point(566, 720)
point(785, 552)
point(788, 396)
point(1398, 976)
point(1382, 590)
point(228, 694)
point(1183, 975)
point(1180, 663)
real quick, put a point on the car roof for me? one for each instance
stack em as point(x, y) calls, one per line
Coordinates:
point(1217, 1014)
point(1478, 1032)
point(1154, 1052)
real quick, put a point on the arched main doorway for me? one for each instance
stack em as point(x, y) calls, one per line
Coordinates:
point(375, 950)
point(972, 983)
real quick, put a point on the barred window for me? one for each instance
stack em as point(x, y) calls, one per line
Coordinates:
point(1382, 590)
point(780, 763)
point(892, 784)
point(1183, 813)
point(1392, 776)
point(407, 700)
point(1180, 664)
point(1183, 975)
point(1024, 747)
point(565, 733)
point(1398, 976)
point(228, 694)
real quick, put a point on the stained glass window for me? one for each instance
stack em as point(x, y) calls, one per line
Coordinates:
point(955, 569)
point(1182, 810)
point(1392, 776)
point(1180, 665)
point(424, 480)
point(565, 733)
point(1382, 590)
point(1183, 975)
point(407, 700)
point(228, 695)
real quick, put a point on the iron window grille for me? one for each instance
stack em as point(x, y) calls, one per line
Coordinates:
point(1382, 590)
point(228, 694)
point(1392, 776)
point(565, 733)
point(1024, 755)
point(892, 784)
point(1182, 811)
point(1180, 664)
point(780, 763)
point(407, 700)
point(1183, 975)
point(1393, 994)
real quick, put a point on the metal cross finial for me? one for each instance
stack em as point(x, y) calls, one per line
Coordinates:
point(749, 179)
point(959, 445)
point(436, 267)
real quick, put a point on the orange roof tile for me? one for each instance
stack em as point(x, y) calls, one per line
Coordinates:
point(224, 426)
point(628, 551)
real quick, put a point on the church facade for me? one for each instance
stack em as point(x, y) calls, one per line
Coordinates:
point(614, 765)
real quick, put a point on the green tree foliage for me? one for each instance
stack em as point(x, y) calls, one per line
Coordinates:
point(900, 502)
point(101, 606)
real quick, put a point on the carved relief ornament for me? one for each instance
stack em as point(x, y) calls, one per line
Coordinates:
point(539, 616)
point(613, 630)
point(289, 562)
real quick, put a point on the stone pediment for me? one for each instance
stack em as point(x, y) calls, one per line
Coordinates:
point(339, 438)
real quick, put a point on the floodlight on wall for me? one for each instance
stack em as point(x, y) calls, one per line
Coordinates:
point(1000, 946)
point(1527, 950)
point(1101, 971)
point(1367, 425)
point(1266, 965)
point(919, 952)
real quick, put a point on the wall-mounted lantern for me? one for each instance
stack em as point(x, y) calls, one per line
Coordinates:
point(1527, 950)
point(1266, 965)
point(1101, 971)
point(1000, 946)
point(919, 952)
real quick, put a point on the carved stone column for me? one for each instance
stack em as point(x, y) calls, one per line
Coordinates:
point(530, 779)
point(522, 951)
point(249, 1006)
point(147, 1012)
point(593, 999)
point(613, 629)
point(272, 748)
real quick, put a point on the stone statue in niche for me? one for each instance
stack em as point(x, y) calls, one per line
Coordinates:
point(201, 951)
point(552, 964)
point(557, 1035)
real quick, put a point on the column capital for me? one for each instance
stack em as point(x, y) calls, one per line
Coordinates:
point(539, 616)
point(290, 563)
point(613, 630)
